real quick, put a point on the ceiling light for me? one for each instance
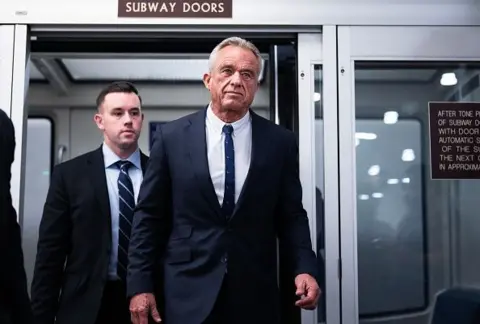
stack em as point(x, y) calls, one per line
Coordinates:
point(408, 155)
point(316, 96)
point(366, 136)
point(363, 197)
point(392, 181)
point(374, 170)
point(406, 180)
point(377, 195)
point(390, 117)
point(448, 79)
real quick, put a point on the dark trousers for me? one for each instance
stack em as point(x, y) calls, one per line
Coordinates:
point(114, 308)
point(219, 313)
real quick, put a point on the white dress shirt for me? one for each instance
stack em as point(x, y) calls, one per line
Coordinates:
point(242, 141)
point(112, 172)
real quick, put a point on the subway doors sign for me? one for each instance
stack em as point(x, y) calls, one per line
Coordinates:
point(175, 8)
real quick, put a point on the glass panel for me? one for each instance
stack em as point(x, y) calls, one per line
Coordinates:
point(416, 237)
point(320, 189)
point(37, 180)
point(35, 74)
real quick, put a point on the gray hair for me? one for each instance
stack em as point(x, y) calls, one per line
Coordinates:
point(234, 41)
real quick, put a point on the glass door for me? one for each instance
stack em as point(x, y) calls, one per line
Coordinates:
point(409, 243)
point(317, 132)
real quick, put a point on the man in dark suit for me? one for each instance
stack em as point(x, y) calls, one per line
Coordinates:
point(14, 300)
point(80, 268)
point(221, 186)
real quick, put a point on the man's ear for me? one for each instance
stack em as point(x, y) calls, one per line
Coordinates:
point(206, 80)
point(99, 121)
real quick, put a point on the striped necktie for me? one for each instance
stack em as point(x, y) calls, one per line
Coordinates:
point(126, 207)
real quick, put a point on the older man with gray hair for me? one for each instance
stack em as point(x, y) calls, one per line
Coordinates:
point(221, 186)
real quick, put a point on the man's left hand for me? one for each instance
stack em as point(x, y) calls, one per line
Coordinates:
point(307, 290)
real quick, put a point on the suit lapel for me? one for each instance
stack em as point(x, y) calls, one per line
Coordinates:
point(196, 138)
point(99, 181)
point(259, 145)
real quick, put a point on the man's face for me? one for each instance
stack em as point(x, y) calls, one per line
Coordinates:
point(120, 118)
point(233, 80)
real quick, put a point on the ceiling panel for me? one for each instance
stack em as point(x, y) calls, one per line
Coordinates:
point(393, 75)
point(138, 69)
point(35, 73)
point(400, 75)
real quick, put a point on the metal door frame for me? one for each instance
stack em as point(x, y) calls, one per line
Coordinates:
point(320, 49)
point(314, 47)
point(374, 43)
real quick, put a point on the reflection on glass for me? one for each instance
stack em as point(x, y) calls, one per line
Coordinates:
point(37, 181)
point(320, 239)
point(416, 237)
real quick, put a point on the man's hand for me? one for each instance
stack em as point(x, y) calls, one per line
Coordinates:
point(141, 306)
point(307, 290)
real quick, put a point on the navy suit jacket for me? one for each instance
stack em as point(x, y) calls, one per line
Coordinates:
point(178, 221)
point(74, 243)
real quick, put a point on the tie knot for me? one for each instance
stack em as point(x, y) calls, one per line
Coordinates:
point(124, 165)
point(228, 129)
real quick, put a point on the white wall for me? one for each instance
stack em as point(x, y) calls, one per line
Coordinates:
point(257, 12)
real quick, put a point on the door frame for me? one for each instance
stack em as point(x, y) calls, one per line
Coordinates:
point(315, 47)
point(320, 49)
point(374, 43)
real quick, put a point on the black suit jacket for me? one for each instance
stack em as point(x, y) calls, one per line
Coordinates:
point(74, 243)
point(179, 219)
point(14, 300)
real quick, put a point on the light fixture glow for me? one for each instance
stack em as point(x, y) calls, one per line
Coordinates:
point(408, 155)
point(316, 96)
point(374, 170)
point(392, 181)
point(390, 117)
point(363, 197)
point(448, 79)
point(406, 180)
point(365, 136)
point(377, 195)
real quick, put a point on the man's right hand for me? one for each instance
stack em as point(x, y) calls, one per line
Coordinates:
point(141, 306)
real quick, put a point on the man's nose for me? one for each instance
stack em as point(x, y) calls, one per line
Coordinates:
point(127, 119)
point(235, 79)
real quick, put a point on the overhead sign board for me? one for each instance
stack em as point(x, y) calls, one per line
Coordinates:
point(454, 140)
point(175, 8)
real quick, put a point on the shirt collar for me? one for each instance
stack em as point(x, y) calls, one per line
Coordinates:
point(217, 124)
point(111, 158)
